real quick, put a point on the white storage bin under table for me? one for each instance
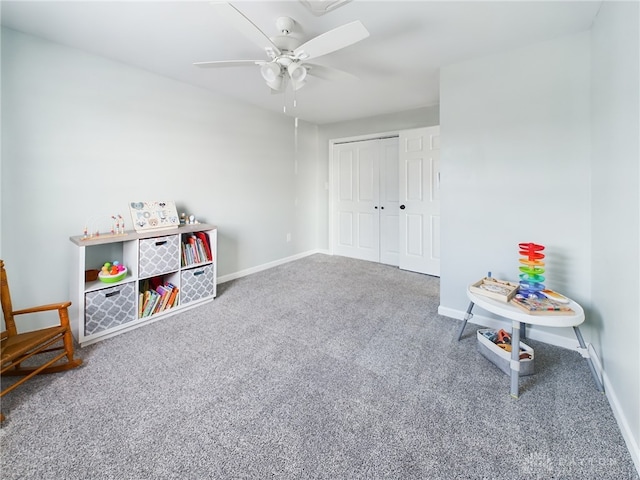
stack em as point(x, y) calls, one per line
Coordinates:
point(500, 358)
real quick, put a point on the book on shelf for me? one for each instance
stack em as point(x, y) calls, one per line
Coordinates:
point(156, 302)
point(196, 248)
point(148, 308)
point(187, 248)
point(541, 306)
point(173, 299)
point(155, 282)
point(202, 254)
point(186, 254)
point(168, 288)
point(140, 304)
point(162, 292)
point(145, 301)
point(206, 245)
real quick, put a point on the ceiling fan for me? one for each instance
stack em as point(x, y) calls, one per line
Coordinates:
point(288, 56)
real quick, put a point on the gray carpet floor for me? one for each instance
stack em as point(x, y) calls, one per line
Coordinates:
point(323, 368)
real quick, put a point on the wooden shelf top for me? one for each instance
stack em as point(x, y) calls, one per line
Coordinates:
point(81, 241)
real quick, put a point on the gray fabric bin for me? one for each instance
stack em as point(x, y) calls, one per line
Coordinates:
point(159, 255)
point(501, 358)
point(196, 283)
point(109, 308)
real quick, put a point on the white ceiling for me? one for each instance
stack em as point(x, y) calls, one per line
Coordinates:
point(397, 66)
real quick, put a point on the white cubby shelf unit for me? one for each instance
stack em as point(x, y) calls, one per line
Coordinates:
point(102, 310)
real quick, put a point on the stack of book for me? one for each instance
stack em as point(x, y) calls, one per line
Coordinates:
point(158, 299)
point(196, 248)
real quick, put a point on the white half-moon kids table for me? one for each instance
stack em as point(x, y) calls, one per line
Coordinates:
point(520, 318)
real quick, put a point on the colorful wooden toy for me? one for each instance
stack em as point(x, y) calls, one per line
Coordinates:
point(531, 269)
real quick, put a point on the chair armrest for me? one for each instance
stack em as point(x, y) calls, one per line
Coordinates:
point(43, 308)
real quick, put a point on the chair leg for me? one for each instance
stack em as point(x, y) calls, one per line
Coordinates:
point(68, 346)
point(28, 373)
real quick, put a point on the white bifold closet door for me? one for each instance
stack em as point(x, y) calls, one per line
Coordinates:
point(366, 209)
point(386, 201)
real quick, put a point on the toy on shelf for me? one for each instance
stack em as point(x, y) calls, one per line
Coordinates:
point(154, 215)
point(112, 272)
point(114, 224)
point(531, 269)
point(118, 225)
point(188, 219)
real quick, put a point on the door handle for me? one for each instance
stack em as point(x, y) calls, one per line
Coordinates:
point(402, 207)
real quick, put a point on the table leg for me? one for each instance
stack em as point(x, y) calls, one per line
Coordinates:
point(585, 354)
point(467, 316)
point(515, 358)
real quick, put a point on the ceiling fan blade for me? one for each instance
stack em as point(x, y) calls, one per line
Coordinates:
point(245, 26)
point(332, 40)
point(328, 73)
point(229, 63)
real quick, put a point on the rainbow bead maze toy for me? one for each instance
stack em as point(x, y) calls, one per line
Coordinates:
point(531, 269)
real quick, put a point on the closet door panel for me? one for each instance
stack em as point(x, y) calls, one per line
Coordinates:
point(420, 200)
point(355, 220)
point(389, 204)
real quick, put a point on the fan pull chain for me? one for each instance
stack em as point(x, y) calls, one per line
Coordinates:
point(284, 101)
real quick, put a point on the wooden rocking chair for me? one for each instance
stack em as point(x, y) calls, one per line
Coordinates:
point(19, 347)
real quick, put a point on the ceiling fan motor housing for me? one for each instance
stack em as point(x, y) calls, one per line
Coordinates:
point(285, 25)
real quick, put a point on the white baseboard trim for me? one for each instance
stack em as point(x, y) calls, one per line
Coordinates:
point(618, 413)
point(550, 338)
point(266, 266)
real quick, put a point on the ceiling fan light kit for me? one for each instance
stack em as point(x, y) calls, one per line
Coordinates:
point(297, 72)
point(277, 84)
point(286, 54)
point(270, 71)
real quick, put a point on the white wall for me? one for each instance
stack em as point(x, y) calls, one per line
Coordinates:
point(616, 208)
point(82, 136)
point(541, 144)
point(515, 168)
